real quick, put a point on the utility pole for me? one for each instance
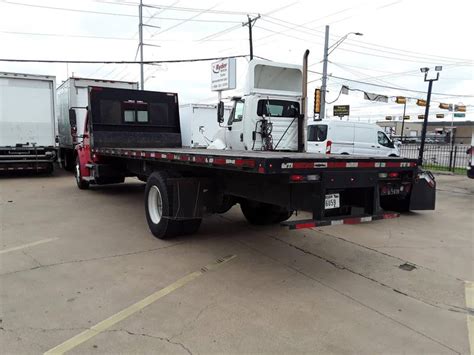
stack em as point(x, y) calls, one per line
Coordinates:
point(140, 44)
point(322, 115)
point(427, 110)
point(250, 23)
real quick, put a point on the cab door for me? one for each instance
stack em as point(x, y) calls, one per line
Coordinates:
point(235, 128)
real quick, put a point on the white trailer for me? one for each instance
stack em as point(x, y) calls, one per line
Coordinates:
point(27, 122)
point(199, 124)
point(72, 108)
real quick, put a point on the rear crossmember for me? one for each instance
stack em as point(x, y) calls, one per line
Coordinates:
point(310, 223)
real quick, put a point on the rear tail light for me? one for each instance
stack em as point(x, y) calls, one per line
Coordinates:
point(328, 147)
point(391, 175)
point(299, 178)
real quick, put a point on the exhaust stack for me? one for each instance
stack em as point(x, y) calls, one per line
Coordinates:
point(302, 116)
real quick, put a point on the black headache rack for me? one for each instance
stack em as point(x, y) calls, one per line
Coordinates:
point(132, 118)
point(27, 157)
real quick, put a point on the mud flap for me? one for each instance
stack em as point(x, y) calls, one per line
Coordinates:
point(423, 193)
point(187, 197)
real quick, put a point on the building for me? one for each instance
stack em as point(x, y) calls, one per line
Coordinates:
point(463, 130)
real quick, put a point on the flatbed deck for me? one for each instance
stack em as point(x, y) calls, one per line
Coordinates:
point(258, 161)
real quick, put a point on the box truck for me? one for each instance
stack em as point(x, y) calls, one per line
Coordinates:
point(199, 124)
point(27, 122)
point(72, 108)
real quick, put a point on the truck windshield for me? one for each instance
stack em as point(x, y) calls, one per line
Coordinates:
point(317, 133)
point(280, 108)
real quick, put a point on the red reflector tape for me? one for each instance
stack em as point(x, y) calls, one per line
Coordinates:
point(219, 161)
point(305, 225)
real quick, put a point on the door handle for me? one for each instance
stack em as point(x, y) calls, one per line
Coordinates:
point(373, 146)
point(241, 137)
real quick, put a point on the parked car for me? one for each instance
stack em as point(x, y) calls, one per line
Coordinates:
point(354, 138)
point(470, 162)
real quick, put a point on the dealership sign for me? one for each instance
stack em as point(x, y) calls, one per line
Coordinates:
point(223, 75)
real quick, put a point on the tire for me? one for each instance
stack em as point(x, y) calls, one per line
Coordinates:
point(81, 183)
point(158, 199)
point(263, 213)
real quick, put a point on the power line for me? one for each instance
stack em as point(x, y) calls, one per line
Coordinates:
point(321, 33)
point(151, 62)
point(111, 13)
point(389, 87)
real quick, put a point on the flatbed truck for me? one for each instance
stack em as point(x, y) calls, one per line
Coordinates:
point(137, 133)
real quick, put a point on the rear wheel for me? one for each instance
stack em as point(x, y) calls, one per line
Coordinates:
point(158, 207)
point(81, 183)
point(259, 213)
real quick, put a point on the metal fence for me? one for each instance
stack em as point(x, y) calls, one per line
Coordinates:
point(445, 157)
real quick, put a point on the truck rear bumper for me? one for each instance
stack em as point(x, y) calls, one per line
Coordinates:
point(310, 223)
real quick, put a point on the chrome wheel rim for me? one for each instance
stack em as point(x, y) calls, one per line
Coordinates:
point(155, 205)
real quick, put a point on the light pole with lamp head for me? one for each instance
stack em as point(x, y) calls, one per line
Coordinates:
point(425, 70)
point(328, 50)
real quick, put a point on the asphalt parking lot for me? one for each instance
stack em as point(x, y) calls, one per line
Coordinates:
point(78, 267)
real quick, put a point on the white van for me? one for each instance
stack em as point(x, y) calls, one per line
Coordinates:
point(345, 137)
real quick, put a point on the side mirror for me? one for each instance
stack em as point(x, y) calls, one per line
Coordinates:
point(261, 108)
point(72, 117)
point(220, 112)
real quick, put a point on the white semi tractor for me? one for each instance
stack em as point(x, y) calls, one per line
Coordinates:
point(27, 122)
point(72, 108)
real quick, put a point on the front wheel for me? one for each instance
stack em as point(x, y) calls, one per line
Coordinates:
point(81, 183)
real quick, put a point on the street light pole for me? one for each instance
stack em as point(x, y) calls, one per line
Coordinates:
point(427, 110)
point(328, 50)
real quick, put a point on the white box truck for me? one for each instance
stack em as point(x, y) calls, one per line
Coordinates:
point(72, 108)
point(199, 124)
point(27, 122)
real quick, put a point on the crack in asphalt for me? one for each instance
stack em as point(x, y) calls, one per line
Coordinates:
point(351, 298)
point(343, 267)
point(41, 266)
point(168, 340)
point(385, 254)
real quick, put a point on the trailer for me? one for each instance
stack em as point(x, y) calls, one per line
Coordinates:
point(72, 107)
point(27, 122)
point(199, 124)
point(137, 133)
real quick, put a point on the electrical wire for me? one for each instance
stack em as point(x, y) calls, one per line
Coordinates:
point(388, 87)
point(152, 62)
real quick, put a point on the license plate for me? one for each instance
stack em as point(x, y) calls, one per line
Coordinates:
point(331, 201)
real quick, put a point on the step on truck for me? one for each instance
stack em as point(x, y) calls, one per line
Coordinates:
point(27, 123)
point(137, 133)
point(73, 97)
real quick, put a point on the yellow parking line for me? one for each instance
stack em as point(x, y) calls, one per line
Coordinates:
point(127, 312)
point(470, 315)
point(27, 245)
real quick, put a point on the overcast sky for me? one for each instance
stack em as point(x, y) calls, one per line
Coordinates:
point(400, 36)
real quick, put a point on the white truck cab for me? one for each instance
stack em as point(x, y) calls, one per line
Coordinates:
point(346, 137)
point(265, 117)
